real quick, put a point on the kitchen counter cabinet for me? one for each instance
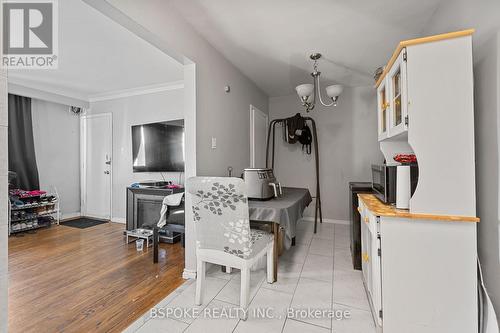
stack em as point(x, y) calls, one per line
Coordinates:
point(419, 273)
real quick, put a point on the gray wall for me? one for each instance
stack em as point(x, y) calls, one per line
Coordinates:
point(347, 147)
point(128, 111)
point(483, 16)
point(56, 133)
point(486, 86)
point(218, 114)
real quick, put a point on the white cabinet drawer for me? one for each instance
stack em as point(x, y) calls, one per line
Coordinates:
point(361, 207)
point(362, 210)
point(371, 220)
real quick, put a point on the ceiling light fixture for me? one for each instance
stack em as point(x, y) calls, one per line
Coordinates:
point(308, 93)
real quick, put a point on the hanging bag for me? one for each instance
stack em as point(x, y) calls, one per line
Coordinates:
point(305, 139)
point(293, 126)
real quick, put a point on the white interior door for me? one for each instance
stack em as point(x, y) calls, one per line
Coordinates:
point(259, 122)
point(96, 160)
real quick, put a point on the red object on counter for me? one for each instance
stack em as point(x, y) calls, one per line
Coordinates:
point(405, 158)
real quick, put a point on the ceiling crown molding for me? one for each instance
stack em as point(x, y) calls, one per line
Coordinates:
point(54, 93)
point(49, 87)
point(150, 89)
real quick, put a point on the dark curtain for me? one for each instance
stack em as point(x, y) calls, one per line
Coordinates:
point(22, 159)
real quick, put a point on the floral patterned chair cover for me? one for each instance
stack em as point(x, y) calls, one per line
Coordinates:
point(220, 210)
point(223, 234)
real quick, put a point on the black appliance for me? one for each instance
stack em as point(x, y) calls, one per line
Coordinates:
point(355, 228)
point(158, 147)
point(384, 181)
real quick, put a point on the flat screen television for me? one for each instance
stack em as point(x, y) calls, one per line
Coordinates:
point(158, 147)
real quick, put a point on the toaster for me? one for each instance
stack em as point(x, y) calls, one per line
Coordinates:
point(261, 183)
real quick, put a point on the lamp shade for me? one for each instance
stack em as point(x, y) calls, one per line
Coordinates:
point(304, 90)
point(334, 90)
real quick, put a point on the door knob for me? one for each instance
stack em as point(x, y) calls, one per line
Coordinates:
point(106, 172)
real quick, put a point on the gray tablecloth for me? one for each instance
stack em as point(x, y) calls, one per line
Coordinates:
point(285, 210)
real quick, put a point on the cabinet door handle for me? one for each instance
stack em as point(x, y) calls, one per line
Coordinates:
point(367, 219)
point(359, 209)
point(366, 257)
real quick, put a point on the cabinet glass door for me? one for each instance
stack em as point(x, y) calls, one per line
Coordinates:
point(383, 110)
point(397, 92)
point(396, 98)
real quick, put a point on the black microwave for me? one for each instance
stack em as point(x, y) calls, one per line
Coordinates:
point(384, 181)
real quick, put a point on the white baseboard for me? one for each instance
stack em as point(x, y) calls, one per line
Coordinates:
point(311, 218)
point(188, 274)
point(68, 216)
point(119, 220)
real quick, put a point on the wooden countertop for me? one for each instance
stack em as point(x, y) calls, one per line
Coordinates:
point(380, 209)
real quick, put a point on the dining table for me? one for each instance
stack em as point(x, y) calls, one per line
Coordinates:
point(283, 211)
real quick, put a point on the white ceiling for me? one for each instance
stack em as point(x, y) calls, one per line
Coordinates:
point(270, 41)
point(97, 56)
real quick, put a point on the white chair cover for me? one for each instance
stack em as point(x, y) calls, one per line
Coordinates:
point(220, 212)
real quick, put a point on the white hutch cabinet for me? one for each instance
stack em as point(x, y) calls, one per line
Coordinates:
point(420, 265)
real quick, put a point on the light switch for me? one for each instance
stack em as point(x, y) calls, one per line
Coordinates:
point(214, 143)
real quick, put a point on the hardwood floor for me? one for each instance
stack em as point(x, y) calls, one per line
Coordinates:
point(65, 279)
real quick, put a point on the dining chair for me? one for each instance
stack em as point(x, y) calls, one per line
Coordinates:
point(223, 234)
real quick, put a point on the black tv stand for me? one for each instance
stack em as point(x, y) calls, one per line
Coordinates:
point(144, 205)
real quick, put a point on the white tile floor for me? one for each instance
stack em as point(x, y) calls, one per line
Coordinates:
point(316, 274)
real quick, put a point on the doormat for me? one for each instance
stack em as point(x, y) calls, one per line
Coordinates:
point(83, 222)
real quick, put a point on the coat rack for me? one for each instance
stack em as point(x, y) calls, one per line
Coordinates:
point(272, 128)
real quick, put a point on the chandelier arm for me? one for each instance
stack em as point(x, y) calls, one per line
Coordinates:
point(313, 102)
point(319, 93)
point(310, 104)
